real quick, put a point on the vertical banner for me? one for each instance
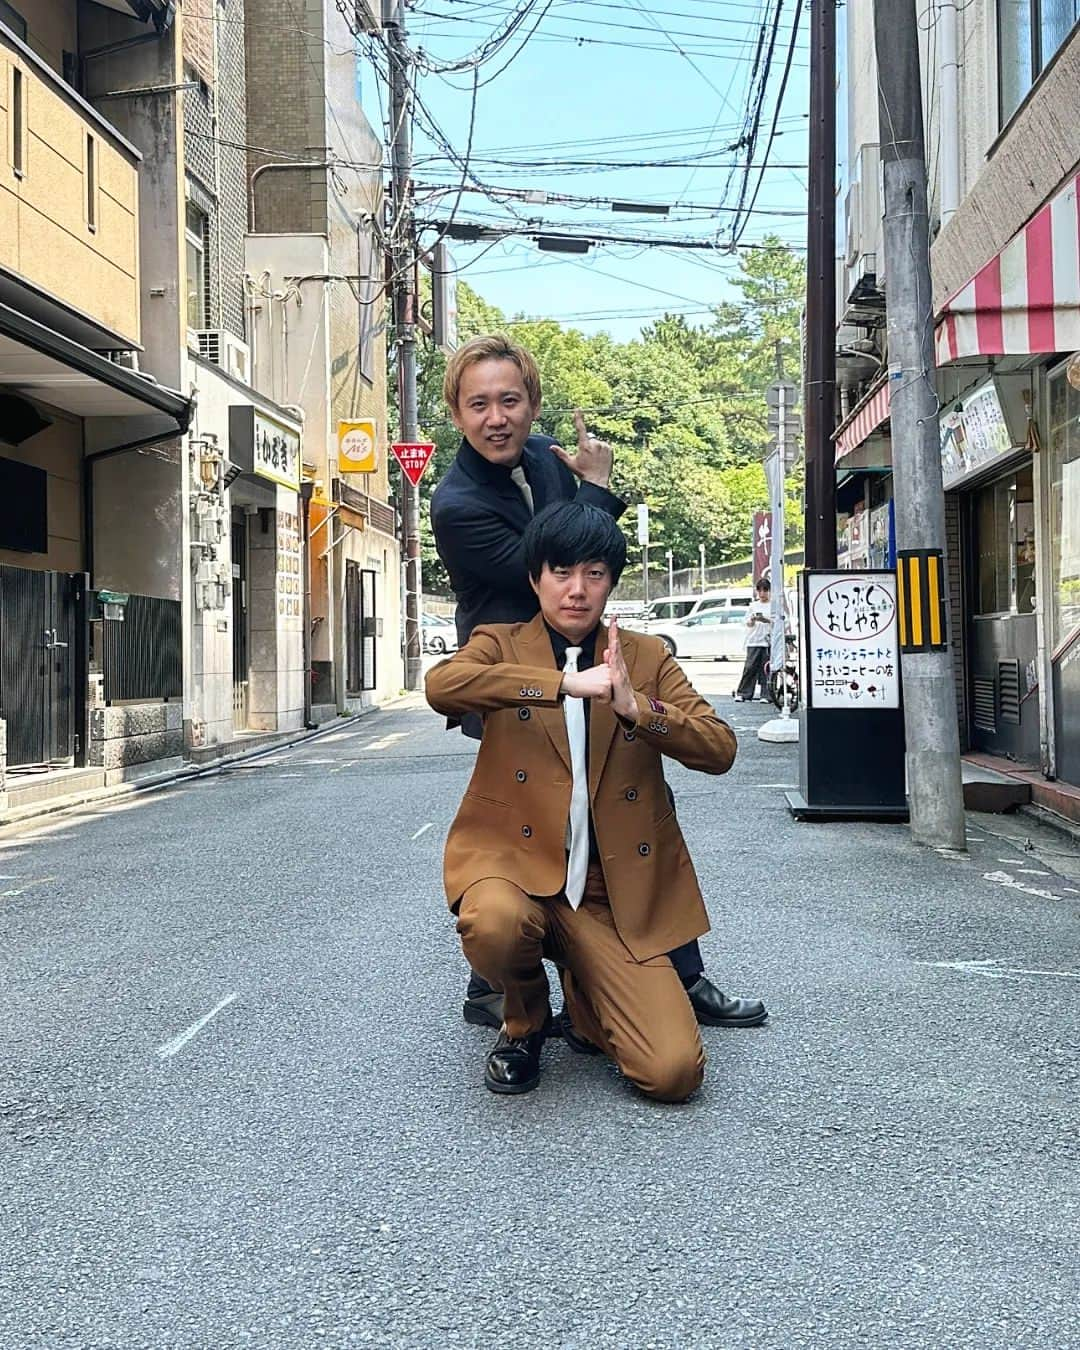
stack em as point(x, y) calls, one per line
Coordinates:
point(762, 543)
point(774, 474)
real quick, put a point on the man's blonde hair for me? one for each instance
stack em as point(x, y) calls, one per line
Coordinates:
point(493, 347)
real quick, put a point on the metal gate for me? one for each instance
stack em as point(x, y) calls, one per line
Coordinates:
point(361, 628)
point(41, 617)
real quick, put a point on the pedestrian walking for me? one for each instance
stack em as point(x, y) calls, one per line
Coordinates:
point(564, 845)
point(758, 623)
point(501, 477)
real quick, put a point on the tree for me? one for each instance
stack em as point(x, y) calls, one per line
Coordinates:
point(683, 406)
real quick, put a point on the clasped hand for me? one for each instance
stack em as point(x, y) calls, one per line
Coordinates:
point(607, 683)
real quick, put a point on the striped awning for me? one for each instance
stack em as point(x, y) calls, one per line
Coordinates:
point(1026, 299)
point(862, 421)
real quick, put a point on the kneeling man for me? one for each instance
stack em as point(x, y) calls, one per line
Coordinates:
point(565, 844)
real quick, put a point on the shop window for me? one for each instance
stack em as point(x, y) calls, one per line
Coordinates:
point(1004, 536)
point(1064, 471)
point(1030, 32)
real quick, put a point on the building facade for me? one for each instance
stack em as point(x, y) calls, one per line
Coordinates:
point(183, 567)
point(1001, 89)
point(318, 316)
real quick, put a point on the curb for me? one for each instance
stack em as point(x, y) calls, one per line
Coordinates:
point(153, 782)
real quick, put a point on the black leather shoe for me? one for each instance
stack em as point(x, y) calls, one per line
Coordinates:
point(562, 1026)
point(714, 1009)
point(484, 1010)
point(514, 1064)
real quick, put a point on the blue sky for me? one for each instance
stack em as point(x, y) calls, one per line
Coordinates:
point(611, 80)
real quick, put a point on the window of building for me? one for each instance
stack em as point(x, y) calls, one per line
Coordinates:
point(11, 18)
point(91, 182)
point(1029, 34)
point(18, 121)
point(1064, 457)
point(197, 276)
point(1003, 516)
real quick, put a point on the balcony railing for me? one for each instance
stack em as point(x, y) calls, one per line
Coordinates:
point(69, 195)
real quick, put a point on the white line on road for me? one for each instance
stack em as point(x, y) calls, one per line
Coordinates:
point(996, 969)
point(423, 829)
point(1004, 879)
point(177, 1043)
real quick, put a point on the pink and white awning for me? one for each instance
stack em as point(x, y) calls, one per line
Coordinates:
point(1026, 299)
point(863, 421)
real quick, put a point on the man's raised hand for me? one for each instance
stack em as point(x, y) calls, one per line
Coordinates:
point(592, 683)
point(594, 457)
point(623, 698)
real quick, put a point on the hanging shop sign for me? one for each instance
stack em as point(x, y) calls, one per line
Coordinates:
point(262, 446)
point(358, 446)
point(973, 432)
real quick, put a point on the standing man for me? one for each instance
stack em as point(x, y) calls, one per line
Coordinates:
point(758, 641)
point(501, 477)
point(565, 845)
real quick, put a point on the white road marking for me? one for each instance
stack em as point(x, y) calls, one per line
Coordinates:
point(423, 829)
point(13, 891)
point(386, 742)
point(997, 969)
point(177, 1043)
point(1004, 879)
point(290, 775)
point(1033, 872)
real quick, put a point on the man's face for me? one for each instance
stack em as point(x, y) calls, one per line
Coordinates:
point(494, 413)
point(572, 599)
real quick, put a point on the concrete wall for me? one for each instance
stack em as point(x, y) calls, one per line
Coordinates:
point(138, 522)
point(57, 450)
point(152, 123)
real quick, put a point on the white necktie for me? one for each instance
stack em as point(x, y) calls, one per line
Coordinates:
point(577, 827)
point(517, 473)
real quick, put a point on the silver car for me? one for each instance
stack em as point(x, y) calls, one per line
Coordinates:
point(716, 634)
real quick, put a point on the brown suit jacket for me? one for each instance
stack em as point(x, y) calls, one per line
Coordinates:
point(512, 820)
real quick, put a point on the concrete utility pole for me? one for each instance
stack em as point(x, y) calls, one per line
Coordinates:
point(403, 289)
point(820, 393)
point(935, 792)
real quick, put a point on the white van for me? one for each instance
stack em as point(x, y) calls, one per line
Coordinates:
point(668, 607)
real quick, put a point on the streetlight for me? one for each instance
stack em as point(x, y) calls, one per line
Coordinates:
point(670, 572)
point(701, 555)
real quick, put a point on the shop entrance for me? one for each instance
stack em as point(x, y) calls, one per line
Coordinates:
point(1063, 611)
point(39, 620)
point(1002, 645)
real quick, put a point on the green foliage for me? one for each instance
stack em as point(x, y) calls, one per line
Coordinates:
point(683, 406)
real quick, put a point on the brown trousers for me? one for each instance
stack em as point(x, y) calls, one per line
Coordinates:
point(637, 1012)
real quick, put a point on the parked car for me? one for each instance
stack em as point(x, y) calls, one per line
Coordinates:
point(439, 634)
point(719, 634)
point(666, 609)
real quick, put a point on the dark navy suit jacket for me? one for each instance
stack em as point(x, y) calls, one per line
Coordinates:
point(478, 516)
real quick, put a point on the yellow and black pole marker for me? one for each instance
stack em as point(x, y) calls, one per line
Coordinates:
point(920, 594)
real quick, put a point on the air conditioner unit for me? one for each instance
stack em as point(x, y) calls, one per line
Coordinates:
point(228, 352)
point(864, 208)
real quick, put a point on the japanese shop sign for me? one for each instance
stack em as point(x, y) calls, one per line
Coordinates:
point(358, 446)
point(262, 446)
point(853, 650)
point(973, 432)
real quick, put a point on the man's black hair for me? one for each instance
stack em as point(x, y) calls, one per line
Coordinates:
point(763, 584)
point(567, 533)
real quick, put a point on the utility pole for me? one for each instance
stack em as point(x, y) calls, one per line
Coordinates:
point(670, 555)
point(403, 283)
point(820, 392)
point(935, 792)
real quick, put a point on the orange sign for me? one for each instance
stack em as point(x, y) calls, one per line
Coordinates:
point(358, 446)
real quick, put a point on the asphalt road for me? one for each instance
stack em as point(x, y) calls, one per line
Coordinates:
point(238, 1105)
